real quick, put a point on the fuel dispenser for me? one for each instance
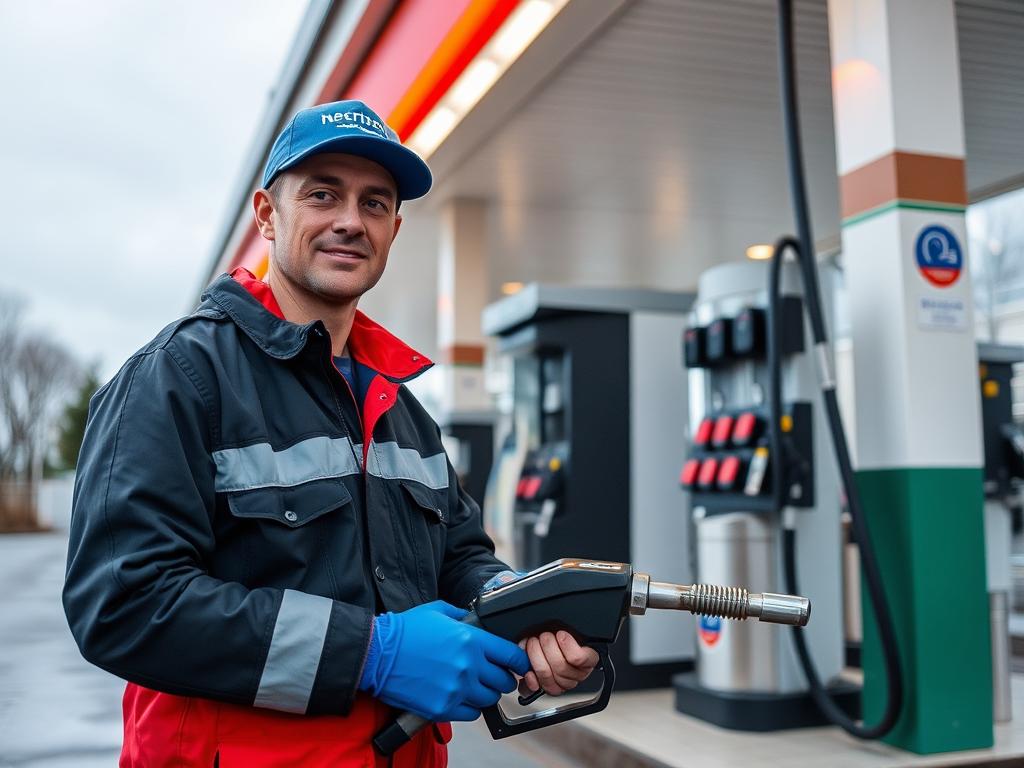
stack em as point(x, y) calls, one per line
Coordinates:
point(747, 675)
point(779, 498)
point(599, 422)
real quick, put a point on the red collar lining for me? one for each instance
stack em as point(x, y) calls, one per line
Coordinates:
point(368, 342)
point(260, 290)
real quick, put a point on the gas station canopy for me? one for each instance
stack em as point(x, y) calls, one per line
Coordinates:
point(629, 142)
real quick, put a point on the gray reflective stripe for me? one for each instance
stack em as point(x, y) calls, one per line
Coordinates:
point(259, 466)
point(295, 651)
point(389, 461)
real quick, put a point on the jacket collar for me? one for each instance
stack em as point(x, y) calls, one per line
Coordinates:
point(251, 304)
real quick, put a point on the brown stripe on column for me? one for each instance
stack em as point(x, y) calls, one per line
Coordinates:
point(463, 354)
point(903, 176)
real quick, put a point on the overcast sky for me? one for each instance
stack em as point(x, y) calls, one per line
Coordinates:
point(123, 132)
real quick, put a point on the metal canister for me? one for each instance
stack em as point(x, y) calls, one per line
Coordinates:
point(735, 548)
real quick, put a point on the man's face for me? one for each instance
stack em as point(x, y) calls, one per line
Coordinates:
point(332, 219)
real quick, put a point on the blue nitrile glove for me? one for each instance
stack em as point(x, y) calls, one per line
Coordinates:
point(423, 660)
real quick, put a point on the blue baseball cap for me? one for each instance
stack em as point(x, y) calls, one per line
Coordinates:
point(355, 129)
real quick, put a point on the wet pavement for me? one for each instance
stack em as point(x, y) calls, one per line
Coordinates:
point(58, 711)
point(55, 709)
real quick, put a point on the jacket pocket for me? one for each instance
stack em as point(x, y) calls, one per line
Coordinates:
point(426, 517)
point(291, 537)
point(293, 506)
point(432, 502)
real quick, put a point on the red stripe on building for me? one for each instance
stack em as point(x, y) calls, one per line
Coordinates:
point(421, 51)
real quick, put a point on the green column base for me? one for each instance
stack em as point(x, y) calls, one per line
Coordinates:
point(927, 527)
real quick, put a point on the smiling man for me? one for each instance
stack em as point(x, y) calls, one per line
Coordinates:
point(268, 542)
point(332, 220)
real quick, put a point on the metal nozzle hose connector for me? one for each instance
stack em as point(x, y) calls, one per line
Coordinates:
point(710, 600)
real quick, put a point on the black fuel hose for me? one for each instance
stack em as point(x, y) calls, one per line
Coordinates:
point(803, 246)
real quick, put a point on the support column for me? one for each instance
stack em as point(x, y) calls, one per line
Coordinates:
point(900, 156)
point(462, 296)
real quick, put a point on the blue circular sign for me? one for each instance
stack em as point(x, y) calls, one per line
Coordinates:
point(939, 256)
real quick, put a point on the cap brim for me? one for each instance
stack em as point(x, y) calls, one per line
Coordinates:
point(412, 176)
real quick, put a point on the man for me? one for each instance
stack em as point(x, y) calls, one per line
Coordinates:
point(267, 540)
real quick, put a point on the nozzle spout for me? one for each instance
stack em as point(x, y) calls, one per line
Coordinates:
point(780, 609)
point(711, 600)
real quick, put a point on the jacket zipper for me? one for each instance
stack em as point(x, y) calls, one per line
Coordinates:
point(327, 366)
point(325, 362)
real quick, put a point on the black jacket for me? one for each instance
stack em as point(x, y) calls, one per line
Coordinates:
point(234, 529)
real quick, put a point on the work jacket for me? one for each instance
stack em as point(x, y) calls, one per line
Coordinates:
point(237, 523)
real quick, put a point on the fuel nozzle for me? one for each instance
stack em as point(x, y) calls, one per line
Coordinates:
point(587, 598)
point(711, 600)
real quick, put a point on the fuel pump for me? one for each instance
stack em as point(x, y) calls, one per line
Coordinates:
point(598, 424)
point(777, 499)
point(747, 676)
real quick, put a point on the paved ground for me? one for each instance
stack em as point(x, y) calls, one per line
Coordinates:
point(57, 711)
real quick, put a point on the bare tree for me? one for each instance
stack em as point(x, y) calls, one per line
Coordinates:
point(11, 311)
point(36, 374)
point(991, 276)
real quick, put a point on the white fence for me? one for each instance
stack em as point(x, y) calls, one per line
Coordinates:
point(54, 501)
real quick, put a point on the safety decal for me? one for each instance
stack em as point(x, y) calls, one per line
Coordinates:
point(709, 629)
point(939, 256)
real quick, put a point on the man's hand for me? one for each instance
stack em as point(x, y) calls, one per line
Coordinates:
point(558, 663)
